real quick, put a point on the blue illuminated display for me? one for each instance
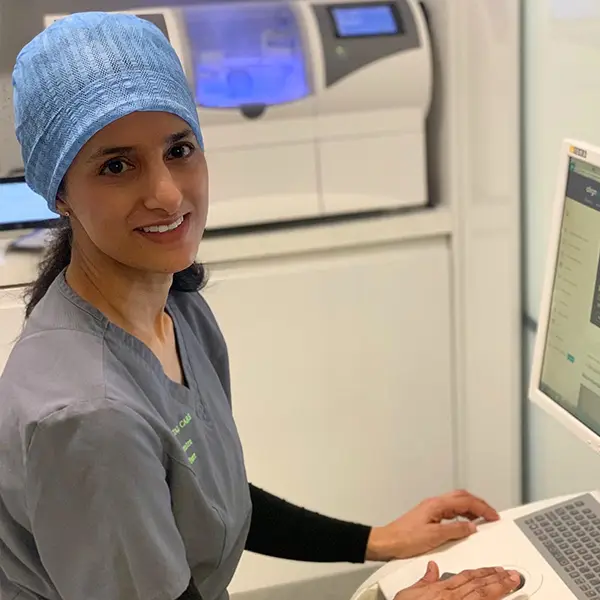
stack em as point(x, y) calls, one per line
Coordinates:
point(365, 20)
point(20, 205)
point(246, 55)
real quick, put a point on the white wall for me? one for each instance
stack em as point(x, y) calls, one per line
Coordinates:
point(562, 99)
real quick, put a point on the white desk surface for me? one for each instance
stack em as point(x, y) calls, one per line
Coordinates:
point(369, 589)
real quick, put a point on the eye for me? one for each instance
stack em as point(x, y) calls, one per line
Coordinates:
point(115, 166)
point(181, 151)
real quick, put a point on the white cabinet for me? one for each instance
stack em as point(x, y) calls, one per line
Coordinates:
point(11, 321)
point(342, 385)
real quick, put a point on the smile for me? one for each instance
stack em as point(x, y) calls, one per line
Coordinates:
point(163, 228)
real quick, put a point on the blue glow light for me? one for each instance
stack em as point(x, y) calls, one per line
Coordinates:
point(246, 55)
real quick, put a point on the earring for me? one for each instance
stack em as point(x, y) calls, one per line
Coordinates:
point(66, 213)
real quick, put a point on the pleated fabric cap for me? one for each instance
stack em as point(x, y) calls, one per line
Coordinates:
point(81, 74)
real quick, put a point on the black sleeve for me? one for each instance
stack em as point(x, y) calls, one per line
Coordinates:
point(191, 593)
point(282, 530)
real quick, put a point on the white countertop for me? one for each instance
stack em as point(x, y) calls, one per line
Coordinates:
point(19, 268)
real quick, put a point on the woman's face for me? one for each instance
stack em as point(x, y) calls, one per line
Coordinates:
point(137, 193)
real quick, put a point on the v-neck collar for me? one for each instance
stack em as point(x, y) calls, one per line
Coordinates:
point(140, 348)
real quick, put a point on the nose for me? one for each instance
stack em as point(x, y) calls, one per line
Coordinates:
point(163, 191)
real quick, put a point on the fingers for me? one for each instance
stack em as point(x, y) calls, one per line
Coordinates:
point(461, 503)
point(449, 532)
point(458, 530)
point(470, 516)
point(493, 590)
point(432, 574)
point(489, 583)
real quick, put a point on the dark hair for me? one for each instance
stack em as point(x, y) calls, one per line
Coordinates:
point(58, 256)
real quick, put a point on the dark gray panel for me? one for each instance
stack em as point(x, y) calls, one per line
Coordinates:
point(343, 56)
point(159, 21)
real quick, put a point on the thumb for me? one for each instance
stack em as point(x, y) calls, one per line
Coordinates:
point(431, 575)
point(457, 530)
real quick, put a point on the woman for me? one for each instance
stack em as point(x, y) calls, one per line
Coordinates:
point(121, 471)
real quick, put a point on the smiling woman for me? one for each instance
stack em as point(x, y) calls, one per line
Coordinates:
point(121, 470)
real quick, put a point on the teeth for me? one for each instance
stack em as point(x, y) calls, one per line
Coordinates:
point(163, 228)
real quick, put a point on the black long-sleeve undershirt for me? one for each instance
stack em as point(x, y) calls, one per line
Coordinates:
point(283, 530)
point(191, 593)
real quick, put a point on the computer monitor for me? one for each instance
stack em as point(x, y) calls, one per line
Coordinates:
point(21, 207)
point(565, 377)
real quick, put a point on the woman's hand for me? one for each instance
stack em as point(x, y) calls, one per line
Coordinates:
point(479, 584)
point(421, 529)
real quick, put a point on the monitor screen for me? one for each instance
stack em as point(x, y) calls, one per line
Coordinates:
point(365, 20)
point(20, 207)
point(570, 373)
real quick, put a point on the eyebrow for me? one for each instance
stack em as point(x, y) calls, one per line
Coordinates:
point(173, 138)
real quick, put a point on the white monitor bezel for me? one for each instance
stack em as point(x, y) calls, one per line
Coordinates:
point(590, 154)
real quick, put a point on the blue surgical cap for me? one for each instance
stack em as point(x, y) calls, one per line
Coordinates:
point(81, 74)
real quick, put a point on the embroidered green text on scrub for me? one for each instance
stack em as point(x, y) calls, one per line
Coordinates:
point(188, 444)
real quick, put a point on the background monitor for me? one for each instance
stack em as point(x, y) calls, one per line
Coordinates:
point(366, 20)
point(565, 377)
point(21, 207)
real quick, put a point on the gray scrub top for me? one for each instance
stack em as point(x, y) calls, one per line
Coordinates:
point(116, 483)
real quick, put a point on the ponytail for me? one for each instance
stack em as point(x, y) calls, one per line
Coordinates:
point(56, 258)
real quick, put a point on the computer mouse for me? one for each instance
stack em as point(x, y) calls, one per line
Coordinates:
point(522, 582)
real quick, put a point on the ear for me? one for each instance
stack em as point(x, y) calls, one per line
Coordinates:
point(62, 206)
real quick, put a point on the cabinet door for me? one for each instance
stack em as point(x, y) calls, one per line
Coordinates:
point(342, 383)
point(11, 321)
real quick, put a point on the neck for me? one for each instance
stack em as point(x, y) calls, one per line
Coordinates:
point(132, 299)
